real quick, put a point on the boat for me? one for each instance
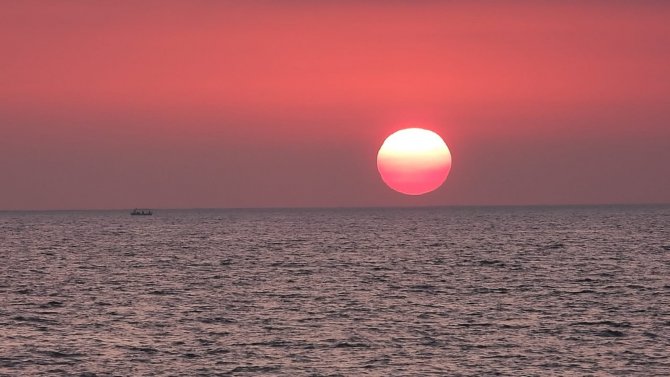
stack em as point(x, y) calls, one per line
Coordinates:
point(141, 212)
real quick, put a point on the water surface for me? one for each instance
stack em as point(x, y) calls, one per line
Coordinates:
point(443, 291)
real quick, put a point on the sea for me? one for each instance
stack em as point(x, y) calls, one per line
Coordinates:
point(445, 291)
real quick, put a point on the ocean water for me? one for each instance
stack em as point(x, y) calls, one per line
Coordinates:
point(515, 291)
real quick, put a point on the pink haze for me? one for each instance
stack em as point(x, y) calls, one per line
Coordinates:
point(268, 104)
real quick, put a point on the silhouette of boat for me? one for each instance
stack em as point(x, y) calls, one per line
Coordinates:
point(141, 212)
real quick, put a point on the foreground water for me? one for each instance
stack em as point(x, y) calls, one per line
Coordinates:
point(379, 292)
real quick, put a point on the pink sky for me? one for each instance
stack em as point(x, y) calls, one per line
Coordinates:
point(250, 104)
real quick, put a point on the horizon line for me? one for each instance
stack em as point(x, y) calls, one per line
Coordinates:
point(340, 207)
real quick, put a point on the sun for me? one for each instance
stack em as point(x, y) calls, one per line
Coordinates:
point(414, 161)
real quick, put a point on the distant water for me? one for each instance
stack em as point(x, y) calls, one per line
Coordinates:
point(555, 291)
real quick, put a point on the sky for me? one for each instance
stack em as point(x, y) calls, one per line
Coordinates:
point(208, 104)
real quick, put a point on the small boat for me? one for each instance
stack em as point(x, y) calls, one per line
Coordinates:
point(141, 212)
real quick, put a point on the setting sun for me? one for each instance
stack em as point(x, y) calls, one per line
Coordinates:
point(414, 161)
